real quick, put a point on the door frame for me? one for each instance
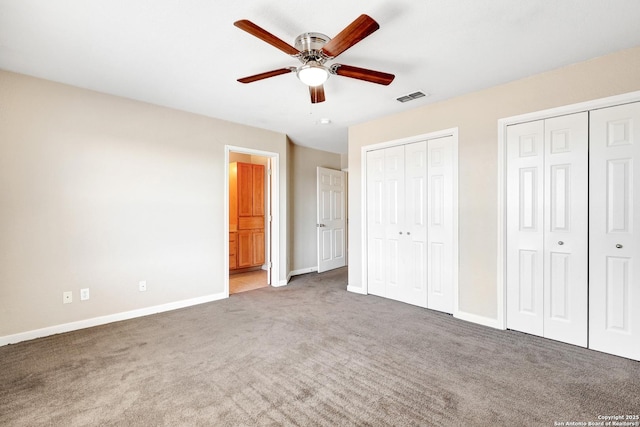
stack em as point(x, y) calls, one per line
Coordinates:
point(453, 132)
point(501, 294)
point(272, 232)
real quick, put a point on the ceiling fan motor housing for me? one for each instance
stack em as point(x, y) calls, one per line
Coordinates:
point(310, 46)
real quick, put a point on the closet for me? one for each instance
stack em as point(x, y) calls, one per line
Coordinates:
point(246, 215)
point(572, 245)
point(411, 223)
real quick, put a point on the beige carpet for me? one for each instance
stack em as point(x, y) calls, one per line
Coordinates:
point(308, 354)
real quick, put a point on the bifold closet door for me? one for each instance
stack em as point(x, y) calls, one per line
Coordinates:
point(566, 228)
point(525, 228)
point(614, 254)
point(547, 199)
point(396, 223)
point(440, 224)
point(415, 230)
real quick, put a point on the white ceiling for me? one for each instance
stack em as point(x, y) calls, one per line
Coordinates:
point(187, 54)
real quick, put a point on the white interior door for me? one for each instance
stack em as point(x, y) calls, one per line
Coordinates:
point(566, 226)
point(440, 224)
point(525, 236)
point(393, 203)
point(547, 207)
point(332, 223)
point(376, 223)
point(414, 231)
point(396, 237)
point(614, 252)
point(411, 222)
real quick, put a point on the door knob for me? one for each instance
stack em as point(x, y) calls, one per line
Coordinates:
point(408, 233)
point(400, 232)
point(561, 242)
point(320, 225)
point(619, 246)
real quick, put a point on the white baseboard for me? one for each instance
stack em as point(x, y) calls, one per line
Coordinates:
point(474, 318)
point(356, 289)
point(280, 283)
point(102, 320)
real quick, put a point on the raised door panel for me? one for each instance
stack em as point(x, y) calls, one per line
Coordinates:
point(257, 247)
point(525, 228)
point(566, 227)
point(250, 222)
point(245, 189)
point(258, 190)
point(614, 240)
point(245, 249)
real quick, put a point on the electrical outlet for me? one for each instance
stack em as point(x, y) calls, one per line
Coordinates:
point(67, 297)
point(84, 294)
point(142, 286)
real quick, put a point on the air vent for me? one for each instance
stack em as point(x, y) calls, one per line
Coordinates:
point(412, 96)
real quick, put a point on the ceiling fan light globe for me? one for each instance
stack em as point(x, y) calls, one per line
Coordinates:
point(312, 74)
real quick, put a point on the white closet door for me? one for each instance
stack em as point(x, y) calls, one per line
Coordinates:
point(614, 252)
point(525, 229)
point(394, 261)
point(414, 237)
point(440, 218)
point(566, 225)
point(386, 222)
point(411, 212)
point(376, 223)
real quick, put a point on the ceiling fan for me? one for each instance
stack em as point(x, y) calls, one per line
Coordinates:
point(314, 50)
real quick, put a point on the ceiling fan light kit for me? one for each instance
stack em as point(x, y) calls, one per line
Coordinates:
point(312, 74)
point(313, 50)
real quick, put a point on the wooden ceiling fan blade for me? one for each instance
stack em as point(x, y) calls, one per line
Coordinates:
point(363, 74)
point(264, 35)
point(362, 27)
point(317, 94)
point(266, 75)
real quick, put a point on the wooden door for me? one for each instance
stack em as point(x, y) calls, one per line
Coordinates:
point(257, 190)
point(614, 251)
point(331, 218)
point(257, 247)
point(245, 189)
point(244, 249)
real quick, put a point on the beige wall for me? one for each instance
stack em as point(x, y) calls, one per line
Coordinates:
point(476, 116)
point(101, 192)
point(304, 162)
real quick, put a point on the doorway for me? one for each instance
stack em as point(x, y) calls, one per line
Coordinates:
point(250, 219)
